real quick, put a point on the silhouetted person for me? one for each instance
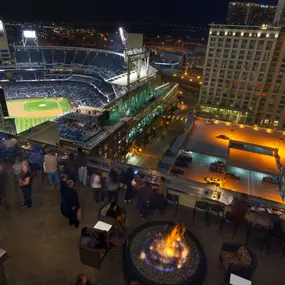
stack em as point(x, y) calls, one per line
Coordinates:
point(25, 185)
point(112, 184)
point(71, 167)
point(128, 178)
point(72, 203)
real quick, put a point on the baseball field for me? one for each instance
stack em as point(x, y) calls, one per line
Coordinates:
point(31, 112)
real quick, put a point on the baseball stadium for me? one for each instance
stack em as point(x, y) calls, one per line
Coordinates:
point(73, 88)
point(32, 112)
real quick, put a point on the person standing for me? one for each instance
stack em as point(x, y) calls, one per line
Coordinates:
point(51, 168)
point(112, 184)
point(82, 166)
point(63, 191)
point(128, 178)
point(96, 186)
point(36, 159)
point(3, 183)
point(25, 185)
point(72, 203)
point(145, 198)
point(71, 167)
point(161, 195)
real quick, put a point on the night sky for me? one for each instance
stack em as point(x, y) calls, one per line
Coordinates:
point(174, 11)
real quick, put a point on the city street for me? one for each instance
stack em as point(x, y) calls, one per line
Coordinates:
point(166, 130)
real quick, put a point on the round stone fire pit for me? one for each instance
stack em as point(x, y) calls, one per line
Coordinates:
point(159, 253)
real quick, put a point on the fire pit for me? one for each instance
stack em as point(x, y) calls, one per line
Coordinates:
point(164, 253)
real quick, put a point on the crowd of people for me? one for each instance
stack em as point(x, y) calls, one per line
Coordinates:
point(137, 186)
point(82, 93)
point(106, 64)
point(77, 127)
point(65, 175)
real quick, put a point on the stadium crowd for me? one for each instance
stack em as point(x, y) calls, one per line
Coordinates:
point(78, 127)
point(105, 64)
point(79, 92)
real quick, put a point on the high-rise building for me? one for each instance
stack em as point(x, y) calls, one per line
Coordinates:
point(237, 86)
point(279, 18)
point(4, 47)
point(247, 13)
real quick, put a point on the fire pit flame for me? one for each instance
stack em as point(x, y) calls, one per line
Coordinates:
point(168, 252)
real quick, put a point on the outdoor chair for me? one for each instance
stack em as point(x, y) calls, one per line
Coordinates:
point(228, 218)
point(237, 259)
point(216, 210)
point(173, 199)
point(91, 257)
point(202, 207)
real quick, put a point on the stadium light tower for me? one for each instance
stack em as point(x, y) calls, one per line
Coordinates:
point(123, 35)
point(30, 38)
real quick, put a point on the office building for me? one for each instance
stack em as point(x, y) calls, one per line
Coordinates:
point(239, 61)
point(4, 47)
point(241, 13)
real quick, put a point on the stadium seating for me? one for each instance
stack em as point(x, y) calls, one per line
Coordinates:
point(22, 56)
point(82, 93)
point(36, 56)
point(48, 56)
point(85, 83)
point(77, 127)
point(105, 64)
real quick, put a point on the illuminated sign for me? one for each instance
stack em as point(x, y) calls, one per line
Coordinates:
point(29, 34)
point(1, 26)
point(263, 6)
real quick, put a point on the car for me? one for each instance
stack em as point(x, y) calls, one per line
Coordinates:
point(213, 181)
point(184, 158)
point(177, 171)
point(209, 121)
point(216, 169)
point(223, 137)
point(232, 175)
point(269, 179)
point(218, 163)
point(181, 163)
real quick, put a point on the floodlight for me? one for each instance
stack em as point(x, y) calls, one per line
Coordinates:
point(1, 26)
point(122, 34)
point(29, 34)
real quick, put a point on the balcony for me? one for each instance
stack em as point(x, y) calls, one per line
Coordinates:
point(41, 234)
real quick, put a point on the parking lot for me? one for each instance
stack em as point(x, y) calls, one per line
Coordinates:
point(249, 182)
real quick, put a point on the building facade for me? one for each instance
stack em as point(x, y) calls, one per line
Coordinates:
point(242, 13)
point(272, 105)
point(238, 61)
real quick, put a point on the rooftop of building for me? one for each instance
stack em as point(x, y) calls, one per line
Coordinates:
point(250, 4)
point(43, 248)
point(245, 27)
point(250, 156)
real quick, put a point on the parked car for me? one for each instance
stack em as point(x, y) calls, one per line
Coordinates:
point(232, 175)
point(216, 169)
point(223, 137)
point(181, 163)
point(218, 163)
point(177, 171)
point(269, 179)
point(185, 158)
point(213, 181)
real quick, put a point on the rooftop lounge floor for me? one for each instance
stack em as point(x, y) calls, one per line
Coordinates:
point(42, 247)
